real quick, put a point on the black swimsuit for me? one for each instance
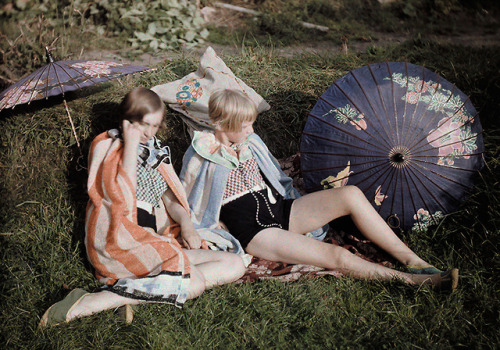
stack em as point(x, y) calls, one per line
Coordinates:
point(240, 215)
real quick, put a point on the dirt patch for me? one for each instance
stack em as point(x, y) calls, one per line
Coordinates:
point(319, 48)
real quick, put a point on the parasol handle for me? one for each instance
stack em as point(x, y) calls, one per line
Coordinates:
point(72, 125)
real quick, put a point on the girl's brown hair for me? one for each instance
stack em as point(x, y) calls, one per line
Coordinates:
point(229, 109)
point(139, 102)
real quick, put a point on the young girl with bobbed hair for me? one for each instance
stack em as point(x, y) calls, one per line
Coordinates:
point(233, 181)
point(139, 236)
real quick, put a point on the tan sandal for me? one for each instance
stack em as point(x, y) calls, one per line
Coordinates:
point(448, 281)
point(58, 313)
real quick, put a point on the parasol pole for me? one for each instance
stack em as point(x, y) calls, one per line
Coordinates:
point(50, 59)
point(72, 125)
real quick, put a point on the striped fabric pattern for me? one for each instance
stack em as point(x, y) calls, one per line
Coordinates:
point(136, 261)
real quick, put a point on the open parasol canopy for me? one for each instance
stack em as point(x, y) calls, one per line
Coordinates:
point(58, 77)
point(409, 139)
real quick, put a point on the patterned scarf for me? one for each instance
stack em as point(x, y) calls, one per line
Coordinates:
point(151, 153)
point(206, 145)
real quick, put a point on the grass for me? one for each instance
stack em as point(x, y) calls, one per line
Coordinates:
point(22, 48)
point(42, 186)
point(42, 227)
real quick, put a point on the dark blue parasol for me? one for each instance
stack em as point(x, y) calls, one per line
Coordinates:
point(409, 139)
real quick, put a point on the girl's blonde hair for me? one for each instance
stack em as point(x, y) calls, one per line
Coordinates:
point(229, 109)
point(139, 102)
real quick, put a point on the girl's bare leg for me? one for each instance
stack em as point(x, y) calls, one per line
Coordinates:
point(279, 245)
point(96, 302)
point(208, 269)
point(217, 267)
point(316, 209)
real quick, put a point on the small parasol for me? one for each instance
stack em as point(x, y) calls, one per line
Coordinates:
point(58, 77)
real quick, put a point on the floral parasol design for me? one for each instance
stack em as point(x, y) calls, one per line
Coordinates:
point(58, 77)
point(413, 141)
point(62, 76)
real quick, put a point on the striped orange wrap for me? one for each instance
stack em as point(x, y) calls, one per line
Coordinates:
point(116, 246)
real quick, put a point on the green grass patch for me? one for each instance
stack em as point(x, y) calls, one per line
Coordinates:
point(42, 186)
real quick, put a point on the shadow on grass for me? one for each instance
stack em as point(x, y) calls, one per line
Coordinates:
point(102, 117)
point(284, 121)
point(345, 232)
point(52, 101)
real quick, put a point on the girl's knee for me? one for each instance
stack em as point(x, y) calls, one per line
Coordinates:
point(349, 191)
point(196, 288)
point(235, 264)
point(240, 266)
point(197, 283)
point(353, 191)
point(352, 196)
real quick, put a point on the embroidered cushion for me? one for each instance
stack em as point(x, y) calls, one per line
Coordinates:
point(190, 94)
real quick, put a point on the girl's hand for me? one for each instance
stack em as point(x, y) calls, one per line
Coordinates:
point(131, 132)
point(191, 238)
point(222, 226)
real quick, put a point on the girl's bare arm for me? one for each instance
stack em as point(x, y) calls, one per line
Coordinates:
point(190, 236)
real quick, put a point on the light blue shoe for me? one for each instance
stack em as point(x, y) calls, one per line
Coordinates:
point(422, 270)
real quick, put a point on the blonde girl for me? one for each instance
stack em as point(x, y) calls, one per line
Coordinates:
point(233, 181)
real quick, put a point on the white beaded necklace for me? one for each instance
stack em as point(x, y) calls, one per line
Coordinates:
point(242, 169)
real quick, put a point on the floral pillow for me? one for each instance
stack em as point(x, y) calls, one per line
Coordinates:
point(190, 94)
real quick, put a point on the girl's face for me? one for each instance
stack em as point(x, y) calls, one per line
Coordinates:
point(237, 137)
point(150, 124)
